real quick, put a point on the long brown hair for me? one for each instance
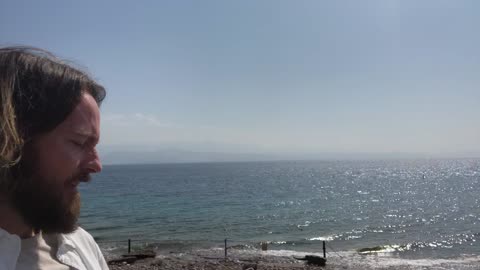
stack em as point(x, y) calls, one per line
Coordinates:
point(37, 93)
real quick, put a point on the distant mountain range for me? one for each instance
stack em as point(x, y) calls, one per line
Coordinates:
point(177, 156)
point(184, 156)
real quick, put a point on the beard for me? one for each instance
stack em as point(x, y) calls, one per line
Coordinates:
point(45, 208)
point(45, 204)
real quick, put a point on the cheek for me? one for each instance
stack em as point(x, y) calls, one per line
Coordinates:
point(59, 160)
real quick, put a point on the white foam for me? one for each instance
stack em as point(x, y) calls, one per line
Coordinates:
point(388, 261)
point(353, 237)
point(380, 260)
point(287, 253)
point(322, 238)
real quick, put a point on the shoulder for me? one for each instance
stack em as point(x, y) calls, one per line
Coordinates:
point(80, 237)
point(7, 237)
point(9, 249)
point(83, 244)
point(80, 232)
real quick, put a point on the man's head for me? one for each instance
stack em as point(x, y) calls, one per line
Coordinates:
point(49, 127)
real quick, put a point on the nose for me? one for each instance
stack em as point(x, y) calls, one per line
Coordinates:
point(93, 164)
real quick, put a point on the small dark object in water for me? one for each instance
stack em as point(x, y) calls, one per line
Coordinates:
point(252, 266)
point(371, 249)
point(123, 260)
point(141, 255)
point(132, 257)
point(313, 260)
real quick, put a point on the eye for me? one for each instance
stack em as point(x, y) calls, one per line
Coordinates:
point(77, 144)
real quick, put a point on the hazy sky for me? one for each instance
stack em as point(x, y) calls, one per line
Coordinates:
point(260, 76)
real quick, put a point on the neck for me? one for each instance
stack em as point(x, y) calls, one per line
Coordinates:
point(12, 221)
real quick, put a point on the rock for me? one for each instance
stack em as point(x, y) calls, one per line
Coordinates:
point(249, 267)
point(313, 260)
point(124, 261)
point(157, 262)
point(141, 255)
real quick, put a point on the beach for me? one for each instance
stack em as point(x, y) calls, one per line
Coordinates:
point(203, 260)
point(176, 262)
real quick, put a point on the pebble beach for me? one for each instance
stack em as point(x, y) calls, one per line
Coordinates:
point(197, 261)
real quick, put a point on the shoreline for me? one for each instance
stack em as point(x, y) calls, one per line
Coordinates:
point(214, 259)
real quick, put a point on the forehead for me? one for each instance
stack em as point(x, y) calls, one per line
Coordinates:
point(84, 119)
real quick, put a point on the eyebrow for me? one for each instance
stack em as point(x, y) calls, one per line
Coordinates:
point(85, 134)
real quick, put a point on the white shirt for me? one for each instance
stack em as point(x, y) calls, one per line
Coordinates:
point(76, 249)
point(39, 252)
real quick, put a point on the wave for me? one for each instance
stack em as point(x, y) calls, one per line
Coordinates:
point(104, 228)
point(384, 249)
point(375, 262)
point(352, 259)
point(414, 246)
point(323, 238)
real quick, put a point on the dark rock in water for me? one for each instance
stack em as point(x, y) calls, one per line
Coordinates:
point(141, 255)
point(122, 260)
point(132, 257)
point(252, 266)
point(373, 250)
point(313, 260)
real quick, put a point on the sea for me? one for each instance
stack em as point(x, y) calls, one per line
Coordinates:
point(416, 212)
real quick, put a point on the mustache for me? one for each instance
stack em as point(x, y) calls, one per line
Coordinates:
point(85, 177)
point(80, 177)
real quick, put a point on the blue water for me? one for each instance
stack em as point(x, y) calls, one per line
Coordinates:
point(406, 208)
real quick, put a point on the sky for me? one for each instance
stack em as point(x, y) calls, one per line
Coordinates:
point(270, 76)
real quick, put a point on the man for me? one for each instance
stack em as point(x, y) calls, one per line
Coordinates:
point(49, 128)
